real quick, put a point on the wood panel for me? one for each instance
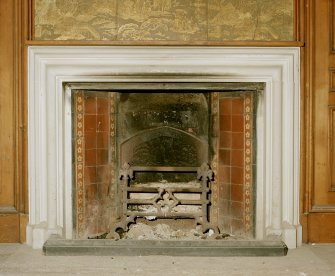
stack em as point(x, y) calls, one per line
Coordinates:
point(320, 91)
point(332, 26)
point(332, 147)
point(9, 228)
point(318, 196)
point(321, 227)
point(12, 198)
point(7, 118)
point(332, 79)
point(167, 43)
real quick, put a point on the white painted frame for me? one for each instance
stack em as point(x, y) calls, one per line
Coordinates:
point(49, 122)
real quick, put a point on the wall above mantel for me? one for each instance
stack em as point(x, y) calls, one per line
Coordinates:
point(164, 20)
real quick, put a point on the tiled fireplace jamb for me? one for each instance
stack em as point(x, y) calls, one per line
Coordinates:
point(49, 122)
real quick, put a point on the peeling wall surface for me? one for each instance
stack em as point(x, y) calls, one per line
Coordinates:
point(164, 20)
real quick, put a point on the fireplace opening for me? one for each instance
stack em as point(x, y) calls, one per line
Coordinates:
point(164, 161)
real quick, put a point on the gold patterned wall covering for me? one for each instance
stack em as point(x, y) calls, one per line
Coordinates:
point(165, 20)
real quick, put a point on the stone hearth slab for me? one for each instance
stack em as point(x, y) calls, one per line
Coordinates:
point(213, 248)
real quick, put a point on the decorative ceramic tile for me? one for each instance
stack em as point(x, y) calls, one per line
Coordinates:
point(248, 164)
point(112, 143)
point(79, 163)
point(215, 161)
point(267, 20)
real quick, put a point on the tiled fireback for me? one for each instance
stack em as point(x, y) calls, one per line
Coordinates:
point(229, 133)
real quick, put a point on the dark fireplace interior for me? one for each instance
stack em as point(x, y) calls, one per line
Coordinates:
point(164, 161)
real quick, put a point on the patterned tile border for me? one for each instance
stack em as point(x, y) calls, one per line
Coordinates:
point(79, 163)
point(112, 145)
point(248, 163)
point(215, 161)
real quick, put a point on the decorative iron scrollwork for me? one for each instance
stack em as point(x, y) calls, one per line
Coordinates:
point(164, 202)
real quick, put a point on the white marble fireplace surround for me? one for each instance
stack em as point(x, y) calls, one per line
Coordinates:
point(49, 122)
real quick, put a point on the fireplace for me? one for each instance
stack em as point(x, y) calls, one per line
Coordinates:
point(210, 79)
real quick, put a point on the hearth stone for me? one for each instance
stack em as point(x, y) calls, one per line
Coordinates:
point(216, 248)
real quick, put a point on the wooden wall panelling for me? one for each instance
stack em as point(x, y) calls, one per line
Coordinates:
point(299, 20)
point(7, 199)
point(20, 32)
point(331, 101)
point(25, 35)
point(303, 147)
point(332, 26)
point(332, 148)
point(307, 186)
point(318, 217)
point(304, 134)
point(12, 199)
point(332, 79)
point(320, 93)
point(321, 227)
point(8, 202)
